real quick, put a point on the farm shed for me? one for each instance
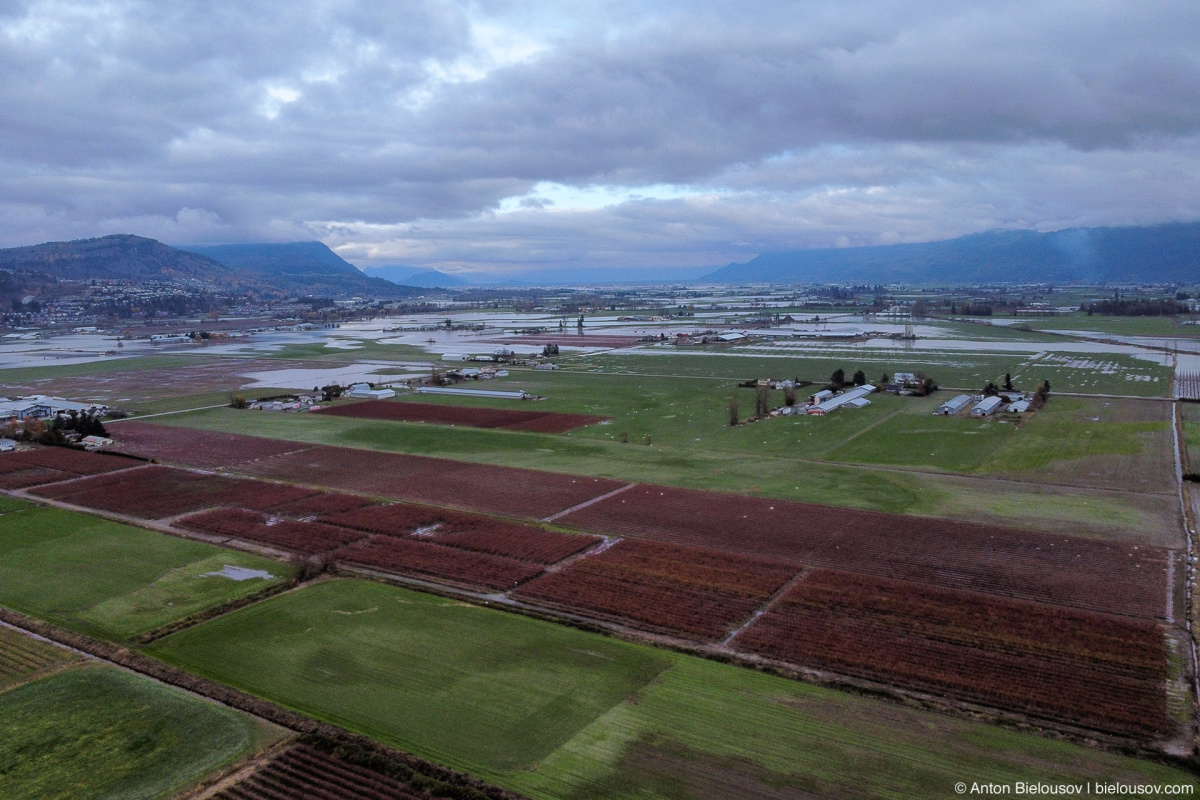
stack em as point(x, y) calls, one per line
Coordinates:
point(986, 407)
point(1019, 407)
point(855, 398)
point(364, 390)
point(954, 405)
point(469, 392)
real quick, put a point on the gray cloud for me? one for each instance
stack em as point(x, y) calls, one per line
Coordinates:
point(395, 131)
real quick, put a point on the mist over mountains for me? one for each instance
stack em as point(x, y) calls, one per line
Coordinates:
point(1162, 253)
point(1167, 253)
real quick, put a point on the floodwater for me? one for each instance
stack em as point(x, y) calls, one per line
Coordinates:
point(931, 340)
point(360, 372)
point(238, 573)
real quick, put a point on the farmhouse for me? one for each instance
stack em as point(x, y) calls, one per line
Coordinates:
point(986, 407)
point(954, 405)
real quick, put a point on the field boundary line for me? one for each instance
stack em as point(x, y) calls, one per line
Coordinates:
point(166, 413)
point(586, 503)
point(804, 572)
point(1179, 443)
point(871, 427)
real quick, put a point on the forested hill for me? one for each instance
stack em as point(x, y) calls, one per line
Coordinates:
point(302, 267)
point(298, 268)
point(123, 257)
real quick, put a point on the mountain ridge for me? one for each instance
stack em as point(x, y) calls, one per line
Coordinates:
point(1145, 254)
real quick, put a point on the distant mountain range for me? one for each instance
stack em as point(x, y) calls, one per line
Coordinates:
point(297, 268)
point(1162, 253)
point(415, 276)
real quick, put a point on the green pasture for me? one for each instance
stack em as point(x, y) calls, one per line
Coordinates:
point(1119, 326)
point(98, 733)
point(10, 504)
point(1121, 374)
point(954, 444)
point(1191, 434)
point(961, 368)
point(480, 690)
point(165, 361)
point(553, 712)
point(113, 580)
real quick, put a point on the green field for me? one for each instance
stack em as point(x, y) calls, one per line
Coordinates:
point(98, 732)
point(1120, 326)
point(456, 683)
point(962, 368)
point(10, 504)
point(109, 579)
point(554, 712)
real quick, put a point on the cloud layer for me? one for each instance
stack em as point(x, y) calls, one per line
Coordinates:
point(499, 135)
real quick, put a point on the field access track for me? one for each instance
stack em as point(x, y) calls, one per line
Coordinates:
point(1107, 672)
point(690, 590)
point(1111, 577)
point(470, 416)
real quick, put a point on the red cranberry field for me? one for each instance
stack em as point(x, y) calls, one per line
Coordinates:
point(1079, 667)
point(25, 468)
point(323, 504)
point(469, 416)
point(308, 538)
point(1085, 573)
point(156, 492)
point(195, 448)
point(527, 493)
point(467, 531)
point(686, 590)
point(423, 559)
point(304, 773)
point(513, 540)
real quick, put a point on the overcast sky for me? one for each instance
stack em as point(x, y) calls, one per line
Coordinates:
point(501, 135)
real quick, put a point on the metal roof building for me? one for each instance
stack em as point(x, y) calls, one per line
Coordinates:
point(954, 405)
point(986, 407)
point(854, 398)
